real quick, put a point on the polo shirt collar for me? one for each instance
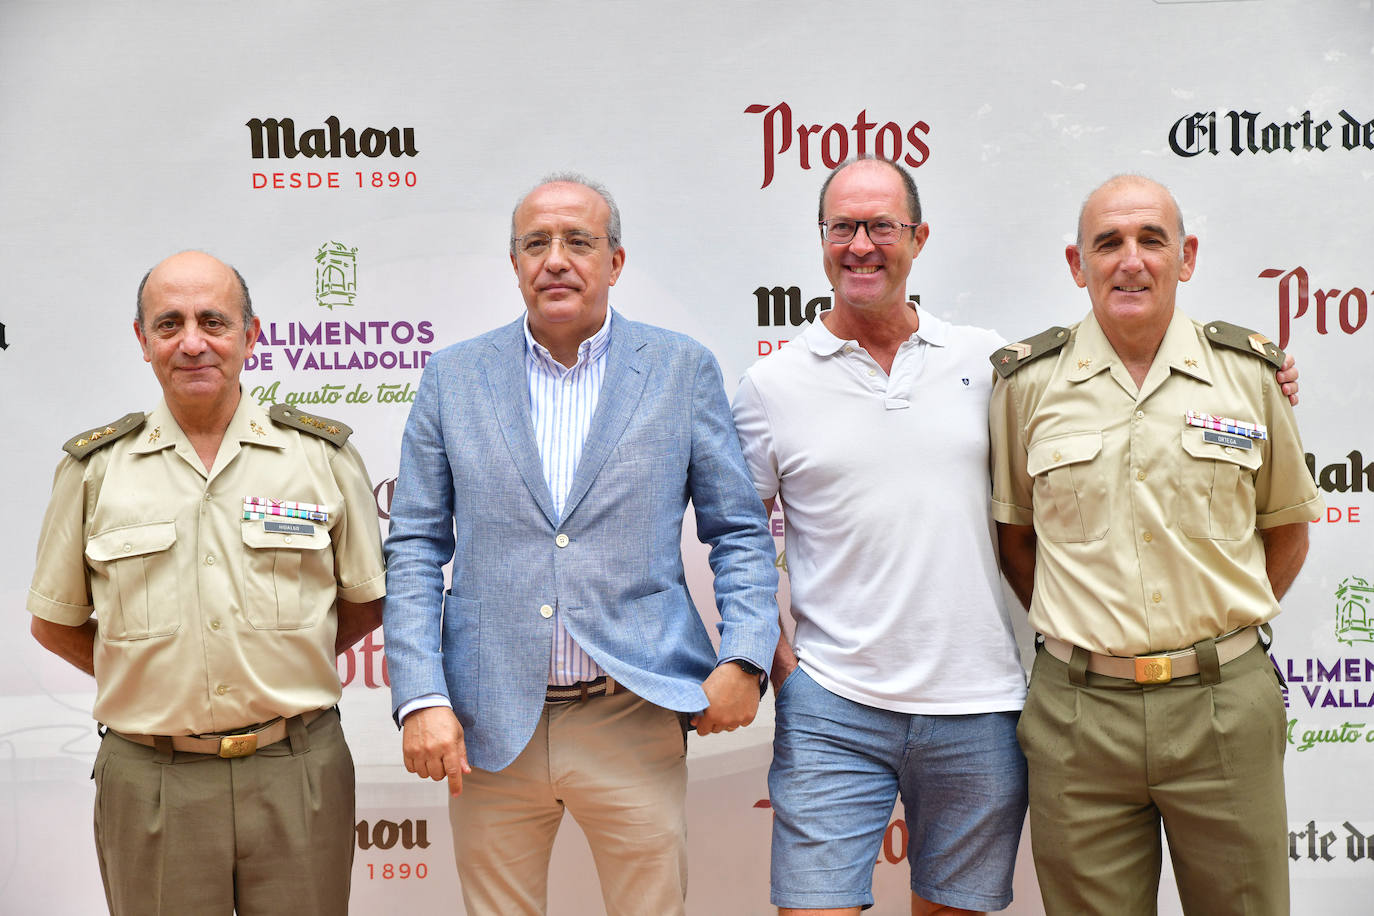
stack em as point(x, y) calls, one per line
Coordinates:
point(931, 330)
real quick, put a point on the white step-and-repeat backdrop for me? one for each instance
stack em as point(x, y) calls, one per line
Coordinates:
point(358, 162)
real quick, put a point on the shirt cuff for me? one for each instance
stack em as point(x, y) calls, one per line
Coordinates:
point(421, 702)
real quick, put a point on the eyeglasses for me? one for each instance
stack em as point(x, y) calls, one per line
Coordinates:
point(538, 244)
point(880, 231)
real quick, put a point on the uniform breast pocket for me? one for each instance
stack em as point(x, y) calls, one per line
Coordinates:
point(1216, 497)
point(135, 586)
point(1072, 502)
point(284, 572)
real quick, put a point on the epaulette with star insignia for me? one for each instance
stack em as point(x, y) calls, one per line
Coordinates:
point(1245, 340)
point(1013, 356)
point(327, 429)
point(81, 445)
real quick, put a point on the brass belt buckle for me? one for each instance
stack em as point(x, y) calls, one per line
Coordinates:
point(1154, 669)
point(238, 745)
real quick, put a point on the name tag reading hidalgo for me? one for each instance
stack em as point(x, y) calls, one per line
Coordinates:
point(277, 527)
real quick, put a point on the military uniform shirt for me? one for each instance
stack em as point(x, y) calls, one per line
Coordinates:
point(1147, 537)
point(207, 621)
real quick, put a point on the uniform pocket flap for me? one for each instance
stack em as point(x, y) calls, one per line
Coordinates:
point(1195, 443)
point(284, 534)
point(1062, 450)
point(131, 541)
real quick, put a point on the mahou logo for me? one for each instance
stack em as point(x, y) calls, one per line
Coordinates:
point(837, 142)
point(274, 138)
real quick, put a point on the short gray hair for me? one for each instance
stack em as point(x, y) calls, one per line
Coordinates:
point(612, 225)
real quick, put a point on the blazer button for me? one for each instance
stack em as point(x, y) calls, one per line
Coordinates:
point(561, 540)
point(546, 612)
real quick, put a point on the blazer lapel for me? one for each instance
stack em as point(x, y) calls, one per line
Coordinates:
point(510, 395)
point(620, 392)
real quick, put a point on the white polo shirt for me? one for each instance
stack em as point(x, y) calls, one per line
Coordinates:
point(885, 492)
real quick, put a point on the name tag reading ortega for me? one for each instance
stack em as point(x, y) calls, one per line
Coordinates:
point(1216, 438)
point(277, 527)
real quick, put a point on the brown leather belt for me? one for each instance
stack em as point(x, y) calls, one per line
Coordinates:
point(239, 744)
point(1160, 668)
point(603, 686)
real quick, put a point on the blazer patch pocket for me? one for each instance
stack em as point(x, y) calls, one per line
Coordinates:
point(136, 589)
point(644, 449)
point(1071, 493)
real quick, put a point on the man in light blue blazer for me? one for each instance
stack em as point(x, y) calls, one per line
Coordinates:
point(552, 461)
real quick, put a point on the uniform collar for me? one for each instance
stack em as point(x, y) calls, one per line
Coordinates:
point(1181, 350)
point(249, 424)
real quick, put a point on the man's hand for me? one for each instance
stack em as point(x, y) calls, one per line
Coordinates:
point(1288, 378)
point(432, 742)
point(784, 663)
point(732, 695)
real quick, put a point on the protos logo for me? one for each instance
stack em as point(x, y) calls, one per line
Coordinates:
point(834, 142)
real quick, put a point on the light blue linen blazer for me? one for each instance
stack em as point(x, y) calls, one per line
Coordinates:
point(471, 489)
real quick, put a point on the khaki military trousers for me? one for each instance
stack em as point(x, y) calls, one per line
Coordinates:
point(618, 764)
point(180, 833)
point(1110, 760)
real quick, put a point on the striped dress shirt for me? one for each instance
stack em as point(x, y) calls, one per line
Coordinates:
point(562, 401)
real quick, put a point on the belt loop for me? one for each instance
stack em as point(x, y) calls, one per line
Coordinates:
point(1078, 667)
point(611, 686)
point(1208, 666)
point(300, 737)
point(162, 747)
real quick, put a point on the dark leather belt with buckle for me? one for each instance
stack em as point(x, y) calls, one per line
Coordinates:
point(601, 687)
point(239, 744)
point(1160, 668)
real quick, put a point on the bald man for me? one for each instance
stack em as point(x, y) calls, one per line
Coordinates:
point(1152, 507)
point(206, 562)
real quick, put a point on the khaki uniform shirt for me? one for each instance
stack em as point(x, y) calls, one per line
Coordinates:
point(206, 621)
point(1147, 537)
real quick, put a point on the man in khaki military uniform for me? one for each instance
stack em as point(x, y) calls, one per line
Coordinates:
point(228, 553)
point(1152, 506)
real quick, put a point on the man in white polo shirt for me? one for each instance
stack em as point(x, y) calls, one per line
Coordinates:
point(904, 676)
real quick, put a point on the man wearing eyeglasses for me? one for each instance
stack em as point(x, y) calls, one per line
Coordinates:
point(552, 460)
point(904, 677)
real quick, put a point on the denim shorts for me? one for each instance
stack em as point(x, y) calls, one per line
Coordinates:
point(838, 767)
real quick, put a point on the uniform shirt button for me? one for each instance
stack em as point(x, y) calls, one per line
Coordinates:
point(1139, 475)
point(1140, 414)
point(208, 497)
point(222, 689)
point(1156, 597)
point(849, 349)
point(561, 540)
point(287, 539)
point(214, 624)
point(1148, 537)
point(128, 547)
point(210, 560)
point(872, 371)
point(546, 612)
point(1058, 457)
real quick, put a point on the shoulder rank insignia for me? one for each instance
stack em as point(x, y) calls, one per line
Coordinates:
point(1013, 356)
point(81, 445)
point(1244, 340)
point(294, 418)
